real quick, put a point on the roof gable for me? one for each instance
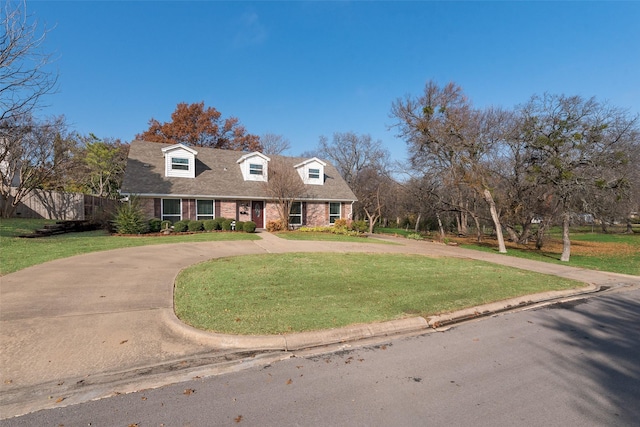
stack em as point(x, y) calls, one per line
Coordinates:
point(217, 175)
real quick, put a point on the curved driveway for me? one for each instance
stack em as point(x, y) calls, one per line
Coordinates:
point(112, 311)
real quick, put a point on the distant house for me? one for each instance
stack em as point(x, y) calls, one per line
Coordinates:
point(177, 182)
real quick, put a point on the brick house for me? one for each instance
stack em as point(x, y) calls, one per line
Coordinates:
point(177, 182)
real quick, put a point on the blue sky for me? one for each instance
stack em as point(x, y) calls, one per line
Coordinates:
point(305, 69)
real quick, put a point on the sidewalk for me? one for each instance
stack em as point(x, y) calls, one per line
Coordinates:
point(67, 322)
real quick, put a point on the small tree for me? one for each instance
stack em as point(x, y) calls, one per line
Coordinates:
point(285, 186)
point(129, 218)
point(28, 158)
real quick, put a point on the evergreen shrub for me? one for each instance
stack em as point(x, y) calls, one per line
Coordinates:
point(154, 225)
point(180, 226)
point(195, 225)
point(129, 219)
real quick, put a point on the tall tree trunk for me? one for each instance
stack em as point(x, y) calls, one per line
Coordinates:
point(540, 235)
point(629, 226)
point(462, 220)
point(476, 220)
point(566, 243)
point(417, 227)
point(442, 235)
point(513, 235)
point(603, 225)
point(526, 232)
point(496, 220)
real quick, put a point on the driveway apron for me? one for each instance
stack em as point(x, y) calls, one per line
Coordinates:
point(107, 311)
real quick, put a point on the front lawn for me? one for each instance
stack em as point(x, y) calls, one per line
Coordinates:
point(17, 253)
point(281, 293)
point(327, 237)
point(617, 253)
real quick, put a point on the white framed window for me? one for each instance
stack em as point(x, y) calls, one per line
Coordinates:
point(255, 169)
point(334, 211)
point(171, 210)
point(314, 173)
point(179, 163)
point(295, 215)
point(204, 209)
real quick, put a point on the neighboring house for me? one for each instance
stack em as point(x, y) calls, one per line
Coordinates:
point(176, 182)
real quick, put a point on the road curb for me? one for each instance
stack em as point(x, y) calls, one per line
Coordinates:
point(507, 305)
point(297, 341)
point(302, 340)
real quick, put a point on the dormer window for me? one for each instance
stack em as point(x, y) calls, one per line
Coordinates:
point(178, 163)
point(254, 166)
point(311, 171)
point(255, 169)
point(314, 173)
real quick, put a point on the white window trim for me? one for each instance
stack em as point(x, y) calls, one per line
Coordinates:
point(162, 214)
point(254, 158)
point(304, 170)
point(184, 164)
point(315, 175)
point(213, 203)
point(255, 167)
point(339, 215)
point(296, 215)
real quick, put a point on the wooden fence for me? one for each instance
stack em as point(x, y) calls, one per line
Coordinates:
point(65, 206)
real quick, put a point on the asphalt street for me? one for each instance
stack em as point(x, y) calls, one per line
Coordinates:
point(571, 364)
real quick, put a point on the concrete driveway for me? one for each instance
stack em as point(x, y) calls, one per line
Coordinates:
point(66, 323)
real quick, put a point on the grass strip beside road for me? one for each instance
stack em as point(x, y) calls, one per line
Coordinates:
point(327, 237)
point(282, 293)
point(17, 253)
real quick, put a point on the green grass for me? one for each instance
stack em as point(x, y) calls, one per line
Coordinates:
point(325, 237)
point(394, 231)
point(280, 293)
point(18, 253)
point(626, 260)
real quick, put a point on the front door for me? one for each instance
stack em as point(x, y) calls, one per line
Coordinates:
point(257, 213)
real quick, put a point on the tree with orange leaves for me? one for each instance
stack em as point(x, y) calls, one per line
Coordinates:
point(197, 126)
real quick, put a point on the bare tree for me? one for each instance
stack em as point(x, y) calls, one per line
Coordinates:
point(273, 144)
point(373, 185)
point(284, 186)
point(577, 146)
point(28, 158)
point(24, 74)
point(358, 158)
point(446, 135)
point(351, 154)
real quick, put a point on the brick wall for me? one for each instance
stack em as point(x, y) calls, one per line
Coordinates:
point(148, 208)
point(317, 214)
point(228, 209)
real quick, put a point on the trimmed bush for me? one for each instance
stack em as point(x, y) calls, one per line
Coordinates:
point(249, 227)
point(218, 222)
point(209, 224)
point(226, 224)
point(195, 225)
point(154, 225)
point(129, 219)
point(340, 223)
point(180, 226)
point(239, 225)
point(360, 226)
point(164, 225)
point(274, 225)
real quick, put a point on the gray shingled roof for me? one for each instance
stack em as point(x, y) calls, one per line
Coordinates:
point(218, 175)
